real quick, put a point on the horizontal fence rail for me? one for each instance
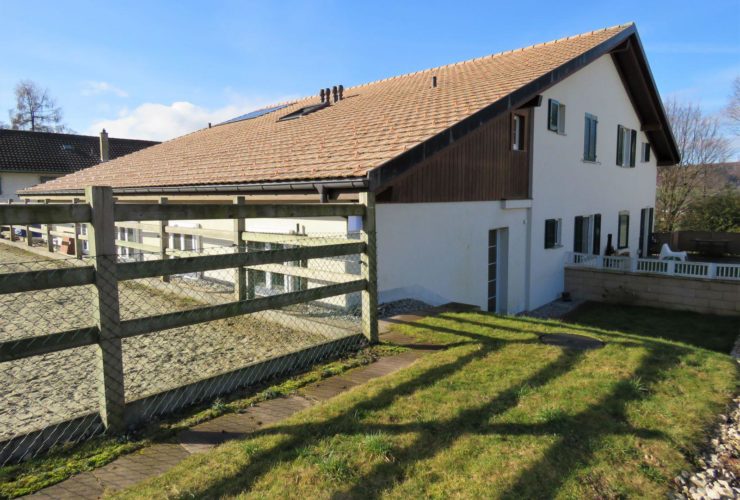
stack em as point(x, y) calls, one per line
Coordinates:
point(43, 280)
point(136, 270)
point(133, 211)
point(133, 275)
point(702, 270)
point(47, 214)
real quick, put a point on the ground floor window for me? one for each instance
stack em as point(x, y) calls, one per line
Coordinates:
point(624, 229)
point(553, 233)
point(587, 234)
point(126, 234)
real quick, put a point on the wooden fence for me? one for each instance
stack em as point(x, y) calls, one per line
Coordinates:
point(102, 215)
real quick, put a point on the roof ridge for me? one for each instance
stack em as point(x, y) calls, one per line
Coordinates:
point(66, 134)
point(437, 68)
point(495, 54)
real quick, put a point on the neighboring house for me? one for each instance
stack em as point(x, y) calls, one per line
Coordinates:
point(31, 158)
point(486, 172)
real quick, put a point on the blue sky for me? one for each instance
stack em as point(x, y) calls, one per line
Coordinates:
point(158, 69)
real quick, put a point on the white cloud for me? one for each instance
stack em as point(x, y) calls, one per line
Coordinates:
point(159, 122)
point(96, 88)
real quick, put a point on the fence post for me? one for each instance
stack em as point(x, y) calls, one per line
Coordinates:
point(369, 270)
point(49, 237)
point(240, 283)
point(29, 237)
point(102, 246)
point(12, 237)
point(78, 241)
point(164, 239)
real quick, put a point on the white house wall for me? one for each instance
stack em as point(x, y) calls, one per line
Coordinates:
point(12, 182)
point(564, 186)
point(438, 252)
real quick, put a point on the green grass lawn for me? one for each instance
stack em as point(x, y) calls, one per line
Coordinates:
point(497, 414)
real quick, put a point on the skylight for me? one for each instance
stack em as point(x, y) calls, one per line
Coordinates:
point(304, 111)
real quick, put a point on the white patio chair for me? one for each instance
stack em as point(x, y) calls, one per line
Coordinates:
point(667, 254)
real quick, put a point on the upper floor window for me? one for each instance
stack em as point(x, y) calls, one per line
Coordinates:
point(556, 116)
point(626, 146)
point(623, 234)
point(518, 137)
point(589, 138)
point(645, 153)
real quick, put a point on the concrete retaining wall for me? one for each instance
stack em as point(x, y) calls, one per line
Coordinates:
point(667, 292)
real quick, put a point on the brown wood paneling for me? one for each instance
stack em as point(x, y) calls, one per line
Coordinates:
point(480, 167)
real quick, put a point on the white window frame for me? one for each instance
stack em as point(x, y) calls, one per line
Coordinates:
point(645, 152)
point(559, 108)
point(181, 238)
point(519, 123)
point(126, 234)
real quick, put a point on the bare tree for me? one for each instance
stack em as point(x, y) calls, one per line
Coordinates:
point(733, 107)
point(35, 109)
point(700, 143)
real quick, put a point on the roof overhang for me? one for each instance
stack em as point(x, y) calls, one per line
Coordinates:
point(276, 188)
point(628, 56)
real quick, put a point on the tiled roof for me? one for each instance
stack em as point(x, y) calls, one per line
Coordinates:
point(373, 124)
point(46, 152)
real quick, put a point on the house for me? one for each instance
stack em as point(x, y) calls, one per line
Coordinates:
point(486, 173)
point(31, 158)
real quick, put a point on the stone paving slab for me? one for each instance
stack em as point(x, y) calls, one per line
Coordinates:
point(155, 460)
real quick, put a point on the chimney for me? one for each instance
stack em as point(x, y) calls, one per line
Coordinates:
point(327, 92)
point(341, 92)
point(321, 93)
point(434, 81)
point(104, 148)
point(335, 92)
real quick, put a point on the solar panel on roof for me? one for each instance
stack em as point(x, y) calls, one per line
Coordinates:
point(254, 114)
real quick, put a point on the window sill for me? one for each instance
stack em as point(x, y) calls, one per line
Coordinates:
point(592, 162)
point(555, 247)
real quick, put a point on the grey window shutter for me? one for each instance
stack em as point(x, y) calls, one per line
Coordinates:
point(594, 124)
point(620, 146)
point(597, 234)
point(578, 235)
point(552, 117)
point(550, 228)
point(640, 249)
point(633, 147)
point(586, 136)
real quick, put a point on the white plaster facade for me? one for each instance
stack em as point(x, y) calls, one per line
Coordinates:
point(437, 252)
point(12, 182)
point(564, 186)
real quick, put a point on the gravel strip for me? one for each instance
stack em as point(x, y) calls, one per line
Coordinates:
point(38, 391)
point(719, 473)
point(403, 306)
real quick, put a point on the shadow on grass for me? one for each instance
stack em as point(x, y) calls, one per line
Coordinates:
point(579, 436)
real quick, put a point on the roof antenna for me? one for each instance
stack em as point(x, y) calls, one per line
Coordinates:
point(434, 81)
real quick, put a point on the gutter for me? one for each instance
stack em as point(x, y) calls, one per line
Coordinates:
point(346, 185)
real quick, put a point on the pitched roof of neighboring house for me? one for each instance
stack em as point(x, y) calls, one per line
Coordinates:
point(379, 129)
point(47, 152)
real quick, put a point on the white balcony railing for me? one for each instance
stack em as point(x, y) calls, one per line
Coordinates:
point(705, 270)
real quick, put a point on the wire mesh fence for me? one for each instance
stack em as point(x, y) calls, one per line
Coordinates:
point(57, 397)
